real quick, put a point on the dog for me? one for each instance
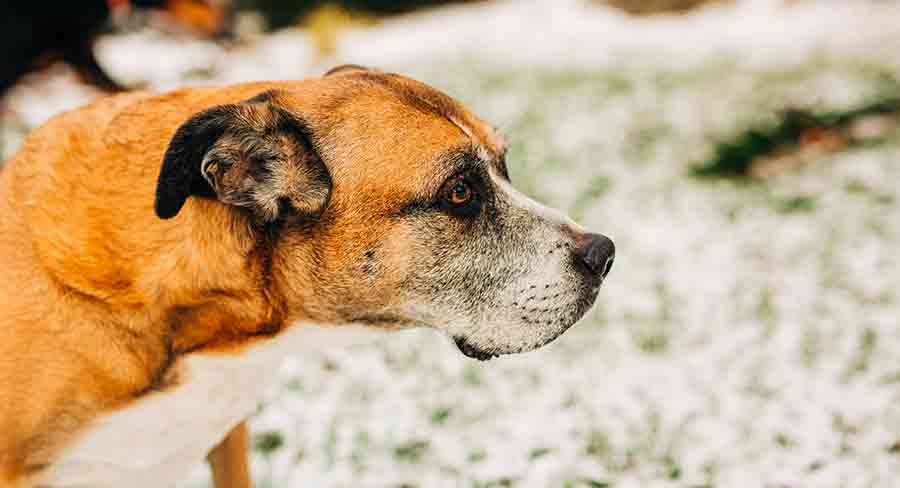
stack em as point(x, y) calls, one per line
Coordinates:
point(35, 33)
point(163, 252)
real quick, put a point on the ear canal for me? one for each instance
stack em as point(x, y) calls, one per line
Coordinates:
point(255, 155)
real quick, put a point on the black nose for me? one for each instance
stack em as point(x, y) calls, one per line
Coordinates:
point(594, 255)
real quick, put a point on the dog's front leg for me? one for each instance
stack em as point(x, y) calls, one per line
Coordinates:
point(228, 460)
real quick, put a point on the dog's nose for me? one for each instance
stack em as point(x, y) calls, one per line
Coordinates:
point(594, 254)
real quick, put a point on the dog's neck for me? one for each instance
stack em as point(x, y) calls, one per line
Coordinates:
point(156, 288)
point(221, 293)
point(203, 282)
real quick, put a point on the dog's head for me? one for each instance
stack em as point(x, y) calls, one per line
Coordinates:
point(391, 206)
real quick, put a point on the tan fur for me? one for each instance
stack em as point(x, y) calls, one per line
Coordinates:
point(99, 296)
point(228, 461)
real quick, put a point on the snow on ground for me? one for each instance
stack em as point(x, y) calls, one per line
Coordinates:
point(748, 336)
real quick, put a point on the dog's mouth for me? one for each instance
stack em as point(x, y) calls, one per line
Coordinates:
point(473, 351)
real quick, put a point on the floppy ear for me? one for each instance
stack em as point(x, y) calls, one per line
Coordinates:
point(255, 155)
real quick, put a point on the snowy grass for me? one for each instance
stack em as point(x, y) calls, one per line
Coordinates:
point(749, 334)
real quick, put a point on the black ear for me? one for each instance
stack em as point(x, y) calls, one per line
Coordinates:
point(180, 175)
point(253, 154)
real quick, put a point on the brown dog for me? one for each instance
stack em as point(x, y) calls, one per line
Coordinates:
point(135, 335)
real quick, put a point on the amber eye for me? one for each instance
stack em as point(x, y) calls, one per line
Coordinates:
point(460, 193)
point(461, 197)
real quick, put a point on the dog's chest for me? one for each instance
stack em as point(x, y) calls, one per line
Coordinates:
point(156, 440)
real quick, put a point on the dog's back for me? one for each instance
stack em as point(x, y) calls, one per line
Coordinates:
point(46, 352)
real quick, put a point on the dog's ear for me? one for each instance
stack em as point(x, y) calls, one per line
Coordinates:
point(255, 155)
point(346, 68)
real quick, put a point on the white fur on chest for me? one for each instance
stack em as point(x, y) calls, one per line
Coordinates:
point(155, 441)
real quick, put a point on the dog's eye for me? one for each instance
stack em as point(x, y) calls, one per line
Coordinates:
point(460, 198)
point(461, 193)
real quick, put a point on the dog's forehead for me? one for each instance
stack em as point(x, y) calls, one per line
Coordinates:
point(387, 133)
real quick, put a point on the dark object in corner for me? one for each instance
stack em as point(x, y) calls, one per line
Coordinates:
point(284, 13)
point(33, 33)
point(762, 152)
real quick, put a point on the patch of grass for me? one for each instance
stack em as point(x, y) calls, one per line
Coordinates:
point(598, 445)
point(596, 484)
point(440, 415)
point(329, 365)
point(330, 444)
point(891, 378)
point(894, 448)
point(766, 312)
point(476, 456)
point(794, 204)
point(361, 446)
point(586, 483)
point(783, 441)
point(472, 376)
point(295, 385)
point(616, 84)
point(412, 451)
point(653, 336)
point(498, 483)
point(885, 199)
point(594, 191)
point(867, 341)
point(640, 144)
point(856, 187)
point(810, 346)
point(539, 452)
point(673, 470)
point(267, 443)
point(733, 159)
point(651, 340)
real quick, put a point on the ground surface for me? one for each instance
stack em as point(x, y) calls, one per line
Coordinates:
point(748, 336)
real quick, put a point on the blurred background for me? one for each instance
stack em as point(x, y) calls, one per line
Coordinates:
point(744, 155)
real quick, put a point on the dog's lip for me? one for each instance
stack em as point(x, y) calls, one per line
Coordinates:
point(473, 352)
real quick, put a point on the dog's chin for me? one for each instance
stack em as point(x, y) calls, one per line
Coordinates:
point(469, 346)
point(471, 349)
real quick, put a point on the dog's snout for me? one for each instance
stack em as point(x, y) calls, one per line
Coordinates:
point(594, 255)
